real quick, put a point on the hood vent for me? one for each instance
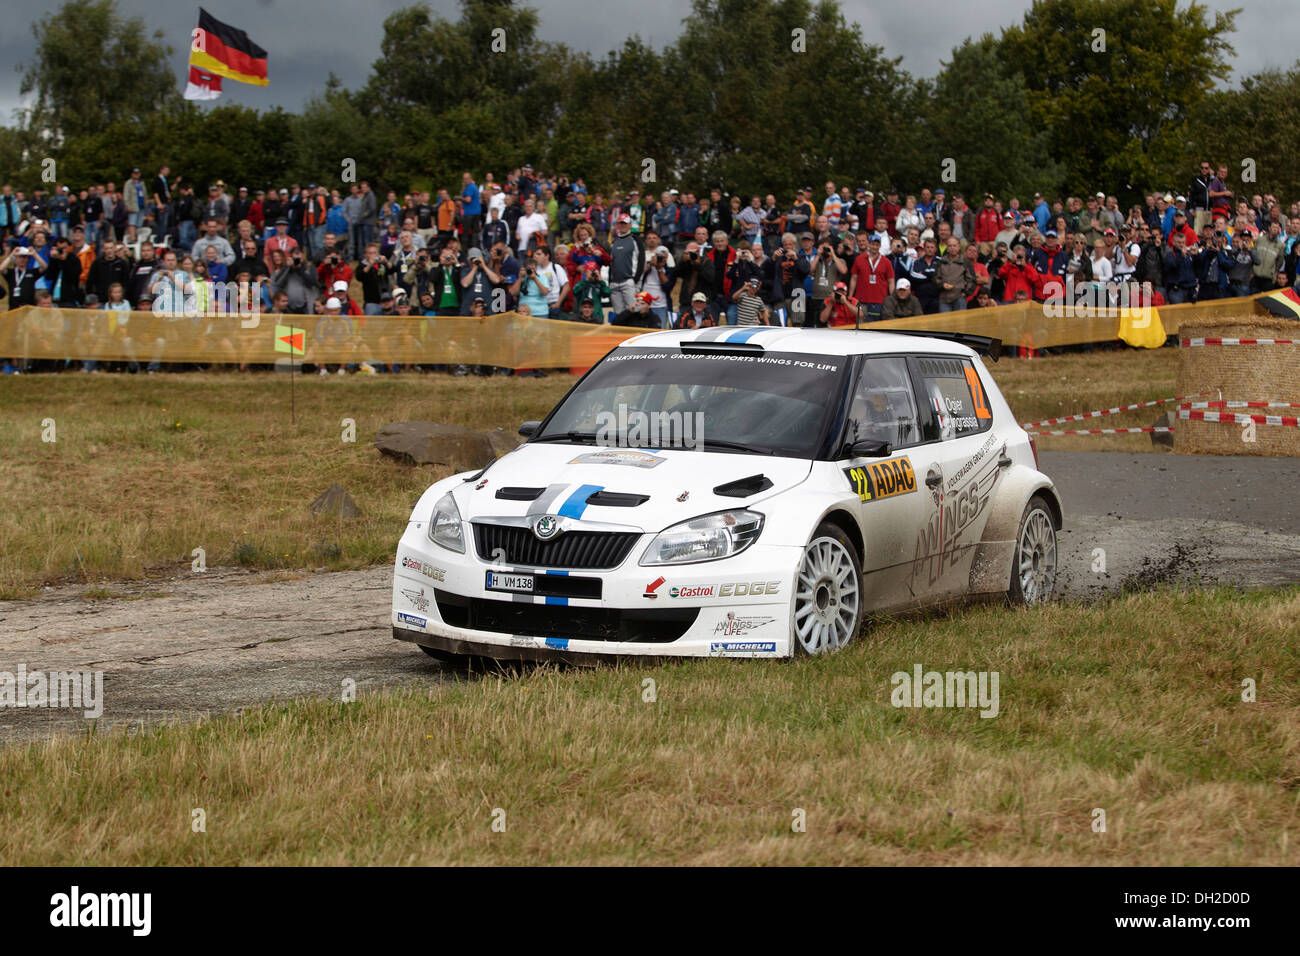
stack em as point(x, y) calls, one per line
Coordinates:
point(615, 499)
point(744, 487)
point(519, 494)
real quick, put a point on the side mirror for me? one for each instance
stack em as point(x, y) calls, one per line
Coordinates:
point(528, 429)
point(870, 448)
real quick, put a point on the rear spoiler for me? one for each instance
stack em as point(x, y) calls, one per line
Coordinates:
point(984, 345)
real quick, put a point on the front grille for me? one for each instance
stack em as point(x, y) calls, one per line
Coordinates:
point(593, 550)
point(658, 626)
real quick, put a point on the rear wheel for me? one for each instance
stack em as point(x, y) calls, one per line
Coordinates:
point(828, 594)
point(1033, 568)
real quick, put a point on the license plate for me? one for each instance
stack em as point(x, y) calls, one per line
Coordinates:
point(509, 582)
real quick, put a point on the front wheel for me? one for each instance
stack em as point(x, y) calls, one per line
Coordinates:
point(1033, 570)
point(828, 594)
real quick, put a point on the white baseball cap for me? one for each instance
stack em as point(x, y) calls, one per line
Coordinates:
point(333, 303)
point(903, 284)
point(340, 286)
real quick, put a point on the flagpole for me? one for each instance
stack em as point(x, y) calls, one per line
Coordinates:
point(293, 412)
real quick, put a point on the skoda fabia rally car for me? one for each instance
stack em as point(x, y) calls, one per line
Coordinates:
point(729, 491)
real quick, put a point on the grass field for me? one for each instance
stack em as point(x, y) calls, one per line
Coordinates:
point(1132, 706)
point(146, 469)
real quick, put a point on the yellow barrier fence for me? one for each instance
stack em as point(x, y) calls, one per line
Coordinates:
point(507, 340)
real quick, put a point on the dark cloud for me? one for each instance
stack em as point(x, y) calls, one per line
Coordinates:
point(307, 41)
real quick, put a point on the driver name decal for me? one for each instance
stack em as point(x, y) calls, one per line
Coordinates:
point(882, 479)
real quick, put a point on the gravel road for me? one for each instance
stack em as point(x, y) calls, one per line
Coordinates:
point(215, 642)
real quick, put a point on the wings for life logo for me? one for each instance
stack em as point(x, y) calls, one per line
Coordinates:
point(417, 599)
point(733, 625)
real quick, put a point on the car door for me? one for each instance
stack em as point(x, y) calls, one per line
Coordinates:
point(892, 497)
point(960, 482)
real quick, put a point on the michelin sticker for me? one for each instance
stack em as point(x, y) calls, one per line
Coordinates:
point(742, 647)
point(415, 619)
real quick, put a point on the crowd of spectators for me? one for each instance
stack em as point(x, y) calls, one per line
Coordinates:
point(549, 246)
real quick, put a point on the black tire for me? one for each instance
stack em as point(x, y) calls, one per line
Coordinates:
point(1035, 558)
point(824, 594)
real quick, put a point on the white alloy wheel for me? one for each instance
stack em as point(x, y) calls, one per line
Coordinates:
point(828, 594)
point(1034, 576)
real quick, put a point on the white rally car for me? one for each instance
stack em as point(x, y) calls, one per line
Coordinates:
point(734, 492)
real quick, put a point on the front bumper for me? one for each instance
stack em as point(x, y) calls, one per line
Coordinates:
point(735, 607)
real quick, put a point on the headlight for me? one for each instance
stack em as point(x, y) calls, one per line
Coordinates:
point(708, 538)
point(445, 525)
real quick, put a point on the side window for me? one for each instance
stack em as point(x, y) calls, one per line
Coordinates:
point(958, 405)
point(884, 405)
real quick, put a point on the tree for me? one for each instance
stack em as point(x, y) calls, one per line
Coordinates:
point(1255, 131)
point(1116, 82)
point(780, 92)
point(94, 67)
point(978, 119)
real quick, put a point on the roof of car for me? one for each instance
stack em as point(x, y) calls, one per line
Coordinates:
point(813, 341)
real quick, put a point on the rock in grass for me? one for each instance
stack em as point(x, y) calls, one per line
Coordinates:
point(335, 501)
point(431, 443)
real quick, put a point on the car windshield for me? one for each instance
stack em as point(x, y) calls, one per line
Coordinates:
point(765, 403)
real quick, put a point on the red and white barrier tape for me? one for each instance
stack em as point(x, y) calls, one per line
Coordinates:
point(1109, 411)
point(1107, 431)
point(1199, 342)
point(1236, 418)
point(1239, 405)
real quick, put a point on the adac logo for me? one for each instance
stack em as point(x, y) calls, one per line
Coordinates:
point(546, 527)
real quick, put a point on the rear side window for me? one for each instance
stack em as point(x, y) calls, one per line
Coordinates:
point(958, 405)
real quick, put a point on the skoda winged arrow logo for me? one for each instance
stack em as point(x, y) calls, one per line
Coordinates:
point(546, 527)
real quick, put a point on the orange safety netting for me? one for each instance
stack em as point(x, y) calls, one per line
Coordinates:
point(507, 340)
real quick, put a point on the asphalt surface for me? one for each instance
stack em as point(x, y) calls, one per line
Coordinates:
point(212, 643)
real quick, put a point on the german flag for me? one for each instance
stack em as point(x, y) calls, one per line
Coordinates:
point(224, 51)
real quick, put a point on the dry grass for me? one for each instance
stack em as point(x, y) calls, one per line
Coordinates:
point(145, 470)
point(1056, 386)
point(1132, 706)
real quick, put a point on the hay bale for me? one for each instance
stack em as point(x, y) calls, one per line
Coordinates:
point(1239, 373)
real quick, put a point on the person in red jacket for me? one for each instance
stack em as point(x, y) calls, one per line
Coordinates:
point(988, 223)
point(1017, 276)
point(1180, 226)
point(332, 269)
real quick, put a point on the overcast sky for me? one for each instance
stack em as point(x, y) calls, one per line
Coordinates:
point(306, 40)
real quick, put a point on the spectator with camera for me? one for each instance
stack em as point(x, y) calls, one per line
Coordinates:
point(1019, 275)
point(374, 274)
point(824, 269)
point(297, 281)
point(840, 310)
